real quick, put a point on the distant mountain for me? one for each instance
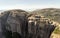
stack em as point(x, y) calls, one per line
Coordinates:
point(52, 13)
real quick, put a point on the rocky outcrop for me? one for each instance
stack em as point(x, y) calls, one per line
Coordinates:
point(40, 27)
point(16, 24)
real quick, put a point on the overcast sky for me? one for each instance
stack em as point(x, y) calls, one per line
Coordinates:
point(29, 4)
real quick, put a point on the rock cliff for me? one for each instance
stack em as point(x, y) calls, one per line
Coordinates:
point(16, 24)
point(13, 23)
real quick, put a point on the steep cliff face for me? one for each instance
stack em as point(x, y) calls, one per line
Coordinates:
point(39, 27)
point(13, 23)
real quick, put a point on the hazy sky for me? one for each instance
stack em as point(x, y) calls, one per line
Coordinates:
point(29, 4)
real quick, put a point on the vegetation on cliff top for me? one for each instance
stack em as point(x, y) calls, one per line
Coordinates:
point(52, 13)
